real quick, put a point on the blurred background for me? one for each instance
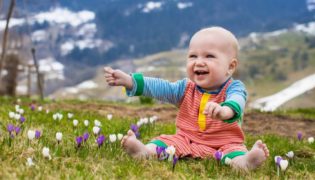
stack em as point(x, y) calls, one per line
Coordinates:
point(72, 40)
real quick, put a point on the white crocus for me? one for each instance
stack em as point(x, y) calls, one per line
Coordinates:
point(310, 140)
point(17, 116)
point(119, 136)
point(145, 120)
point(112, 138)
point(139, 123)
point(70, 115)
point(109, 116)
point(97, 123)
point(55, 116)
point(29, 162)
point(227, 161)
point(96, 130)
point(31, 134)
point(17, 107)
point(86, 123)
point(46, 153)
point(171, 151)
point(284, 164)
point(40, 108)
point(75, 123)
point(290, 154)
point(18, 100)
point(59, 136)
point(11, 115)
point(47, 111)
point(60, 116)
point(21, 111)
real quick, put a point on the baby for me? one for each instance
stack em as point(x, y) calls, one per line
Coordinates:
point(211, 104)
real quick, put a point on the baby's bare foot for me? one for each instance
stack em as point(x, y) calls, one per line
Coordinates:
point(133, 146)
point(253, 159)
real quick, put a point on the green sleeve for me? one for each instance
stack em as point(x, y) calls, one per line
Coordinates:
point(236, 108)
point(138, 77)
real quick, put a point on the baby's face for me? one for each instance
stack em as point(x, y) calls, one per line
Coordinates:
point(208, 60)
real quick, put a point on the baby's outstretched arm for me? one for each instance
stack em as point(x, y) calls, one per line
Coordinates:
point(116, 77)
point(215, 110)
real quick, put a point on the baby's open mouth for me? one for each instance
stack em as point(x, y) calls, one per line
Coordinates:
point(200, 72)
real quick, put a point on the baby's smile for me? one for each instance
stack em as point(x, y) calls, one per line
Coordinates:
point(201, 72)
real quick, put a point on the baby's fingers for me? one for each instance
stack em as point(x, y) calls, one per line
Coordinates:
point(108, 70)
point(216, 111)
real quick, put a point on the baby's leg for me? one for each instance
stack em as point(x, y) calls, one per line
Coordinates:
point(252, 159)
point(136, 148)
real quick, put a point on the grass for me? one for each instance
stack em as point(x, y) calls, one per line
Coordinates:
point(109, 161)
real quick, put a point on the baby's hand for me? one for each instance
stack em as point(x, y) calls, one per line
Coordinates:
point(216, 111)
point(116, 77)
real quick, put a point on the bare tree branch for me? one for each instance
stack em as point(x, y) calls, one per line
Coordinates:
point(5, 36)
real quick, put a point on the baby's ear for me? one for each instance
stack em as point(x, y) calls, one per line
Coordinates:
point(232, 66)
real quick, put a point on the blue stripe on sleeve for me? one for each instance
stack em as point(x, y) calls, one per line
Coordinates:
point(171, 92)
point(237, 93)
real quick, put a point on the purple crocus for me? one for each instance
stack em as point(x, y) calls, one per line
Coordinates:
point(79, 141)
point(10, 128)
point(17, 130)
point(22, 119)
point(86, 136)
point(100, 140)
point(159, 150)
point(175, 159)
point(218, 155)
point(134, 128)
point(32, 106)
point(299, 136)
point(37, 134)
point(278, 159)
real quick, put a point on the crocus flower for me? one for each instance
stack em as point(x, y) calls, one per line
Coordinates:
point(277, 160)
point(139, 123)
point(96, 130)
point(145, 120)
point(218, 155)
point(134, 128)
point(100, 140)
point(79, 141)
point(310, 140)
point(112, 138)
point(29, 162)
point(47, 111)
point(290, 154)
point(160, 152)
point(70, 115)
point(299, 136)
point(45, 152)
point(119, 136)
point(22, 119)
point(86, 136)
point(11, 115)
point(10, 128)
point(31, 134)
point(21, 111)
point(97, 123)
point(175, 159)
point(17, 130)
point(86, 123)
point(17, 116)
point(40, 108)
point(59, 137)
point(75, 123)
point(17, 107)
point(284, 164)
point(37, 134)
point(18, 100)
point(32, 106)
point(109, 116)
point(170, 150)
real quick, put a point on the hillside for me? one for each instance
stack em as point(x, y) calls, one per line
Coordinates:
point(268, 63)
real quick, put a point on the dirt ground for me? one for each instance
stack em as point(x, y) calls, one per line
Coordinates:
point(254, 122)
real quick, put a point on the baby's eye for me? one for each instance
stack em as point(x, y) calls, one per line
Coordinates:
point(210, 56)
point(192, 56)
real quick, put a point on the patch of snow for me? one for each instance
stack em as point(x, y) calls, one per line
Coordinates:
point(306, 28)
point(51, 68)
point(310, 4)
point(271, 103)
point(151, 5)
point(39, 36)
point(87, 85)
point(184, 5)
